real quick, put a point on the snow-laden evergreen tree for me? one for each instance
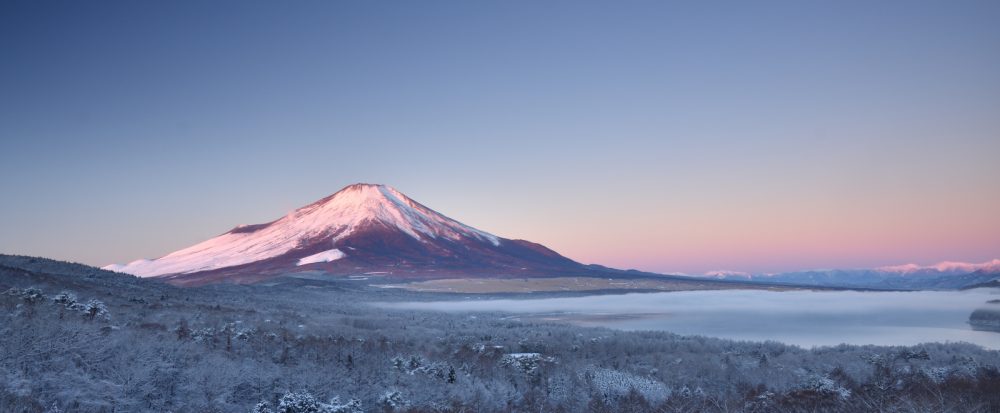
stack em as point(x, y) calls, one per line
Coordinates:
point(351, 406)
point(262, 407)
point(304, 402)
point(393, 400)
point(65, 298)
point(300, 402)
point(95, 309)
point(30, 295)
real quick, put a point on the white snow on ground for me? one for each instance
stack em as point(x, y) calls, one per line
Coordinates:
point(325, 256)
point(620, 383)
point(336, 216)
point(523, 355)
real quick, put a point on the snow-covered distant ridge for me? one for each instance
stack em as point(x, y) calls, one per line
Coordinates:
point(943, 275)
point(944, 267)
point(330, 219)
point(728, 274)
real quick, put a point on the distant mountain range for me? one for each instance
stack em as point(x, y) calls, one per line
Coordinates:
point(945, 275)
point(361, 229)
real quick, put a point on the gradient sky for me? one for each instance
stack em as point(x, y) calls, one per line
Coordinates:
point(665, 136)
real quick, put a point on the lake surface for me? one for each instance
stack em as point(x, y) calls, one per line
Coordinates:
point(804, 318)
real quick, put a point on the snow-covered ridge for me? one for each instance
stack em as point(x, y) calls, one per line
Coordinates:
point(329, 219)
point(727, 273)
point(945, 267)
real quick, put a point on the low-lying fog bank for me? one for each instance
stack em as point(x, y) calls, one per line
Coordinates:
point(805, 318)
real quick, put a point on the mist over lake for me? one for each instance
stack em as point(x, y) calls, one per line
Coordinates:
point(804, 318)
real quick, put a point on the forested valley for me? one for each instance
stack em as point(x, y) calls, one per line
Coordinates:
point(78, 339)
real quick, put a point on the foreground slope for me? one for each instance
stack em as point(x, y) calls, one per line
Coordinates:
point(239, 348)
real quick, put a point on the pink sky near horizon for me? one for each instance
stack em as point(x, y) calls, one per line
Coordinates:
point(779, 254)
point(757, 235)
point(672, 234)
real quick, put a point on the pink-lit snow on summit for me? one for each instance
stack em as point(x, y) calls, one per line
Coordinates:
point(333, 217)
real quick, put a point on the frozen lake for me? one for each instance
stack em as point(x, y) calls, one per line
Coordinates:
point(804, 318)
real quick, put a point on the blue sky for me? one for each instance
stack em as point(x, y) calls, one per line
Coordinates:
point(667, 136)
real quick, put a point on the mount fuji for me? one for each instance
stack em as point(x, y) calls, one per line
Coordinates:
point(361, 229)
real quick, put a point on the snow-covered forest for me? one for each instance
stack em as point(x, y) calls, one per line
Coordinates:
point(78, 339)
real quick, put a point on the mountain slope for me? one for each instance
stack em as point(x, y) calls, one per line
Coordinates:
point(362, 228)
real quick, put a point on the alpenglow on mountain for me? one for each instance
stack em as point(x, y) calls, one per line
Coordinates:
point(363, 228)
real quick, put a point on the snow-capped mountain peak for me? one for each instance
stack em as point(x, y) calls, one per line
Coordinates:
point(326, 222)
point(358, 204)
